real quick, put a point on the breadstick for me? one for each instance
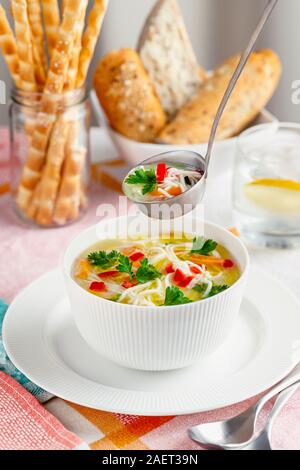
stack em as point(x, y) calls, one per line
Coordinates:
point(52, 22)
point(36, 25)
point(83, 198)
point(50, 180)
point(73, 66)
point(68, 202)
point(90, 38)
point(8, 47)
point(69, 194)
point(24, 45)
point(44, 201)
point(46, 118)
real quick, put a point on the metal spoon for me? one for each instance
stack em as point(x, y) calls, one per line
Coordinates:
point(238, 432)
point(189, 199)
point(263, 440)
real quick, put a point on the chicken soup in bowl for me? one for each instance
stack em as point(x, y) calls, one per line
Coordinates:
point(155, 304)
point(145, 272)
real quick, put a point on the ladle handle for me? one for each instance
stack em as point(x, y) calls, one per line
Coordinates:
point(243, 61)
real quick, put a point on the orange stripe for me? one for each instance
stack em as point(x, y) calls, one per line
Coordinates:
point(106, 422)
point(107, 444)
point(123, 431)
point(138, 428)
point(4, 188)
point(103, 444)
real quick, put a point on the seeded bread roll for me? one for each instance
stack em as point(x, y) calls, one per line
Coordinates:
point(128, 97)
point(168, 56)
point(193, 123)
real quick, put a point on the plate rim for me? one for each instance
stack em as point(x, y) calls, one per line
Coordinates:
point(115, 409)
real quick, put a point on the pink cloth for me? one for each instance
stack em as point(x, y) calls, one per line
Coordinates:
point(26, 425)
point(26, 253)
point(4, 157)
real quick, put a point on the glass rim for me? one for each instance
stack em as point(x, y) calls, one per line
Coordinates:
point(31, 99)
point(277, 125)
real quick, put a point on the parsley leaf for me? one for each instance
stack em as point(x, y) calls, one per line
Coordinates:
point(103, 260)
point(147, 178)
point(203, 247)
point(217, 290)
point(116, 298)
point(175, 296)
point(125, 266)
point(200, 288)
point(146, 272)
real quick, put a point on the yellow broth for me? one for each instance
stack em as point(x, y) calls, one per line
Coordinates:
point(163, 272)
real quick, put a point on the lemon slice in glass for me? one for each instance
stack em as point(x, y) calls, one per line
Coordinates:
point(275, 195)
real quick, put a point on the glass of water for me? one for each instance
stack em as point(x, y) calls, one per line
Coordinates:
point(266, 185)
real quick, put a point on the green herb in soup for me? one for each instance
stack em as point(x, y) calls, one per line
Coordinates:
point(156, 273)
point(161, 181)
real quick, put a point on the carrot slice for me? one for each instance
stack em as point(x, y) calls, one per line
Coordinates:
point(156, 193)
point(175, 191)
point(83, 269)
point(208, 260)
point(128, 251)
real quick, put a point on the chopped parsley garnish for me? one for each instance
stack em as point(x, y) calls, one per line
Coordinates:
point(203, 247)
point(217, 290)
point(103, 259)
point(201, 288)
point(175, 296)
point(147, 178)
point(147, 272)
point(116, 298)
point(125, 266)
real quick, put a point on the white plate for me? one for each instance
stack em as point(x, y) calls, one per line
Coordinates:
point(41, 339)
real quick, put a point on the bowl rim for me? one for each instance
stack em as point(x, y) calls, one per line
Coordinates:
point(139, 308)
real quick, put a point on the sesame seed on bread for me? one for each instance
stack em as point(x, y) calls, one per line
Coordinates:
point(128, 97)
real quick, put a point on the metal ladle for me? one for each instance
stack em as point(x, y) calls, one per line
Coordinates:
point(188, 200)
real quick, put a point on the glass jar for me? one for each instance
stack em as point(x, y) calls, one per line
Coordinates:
point(50, 159)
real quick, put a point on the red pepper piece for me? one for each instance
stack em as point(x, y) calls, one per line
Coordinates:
point(228, 263)
point(128, 284)
point(98, 287)
point(161, 172)
point(179, 276)
point(186, 281)
point(170, 269)
point(137, 256)
point(195, 270)
point(108, 274)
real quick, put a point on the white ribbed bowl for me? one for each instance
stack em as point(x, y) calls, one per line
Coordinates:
point(154, 338)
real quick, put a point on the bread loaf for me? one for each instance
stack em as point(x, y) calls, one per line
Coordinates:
point(193, 123)
point(168, 56)
point(128, 97)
